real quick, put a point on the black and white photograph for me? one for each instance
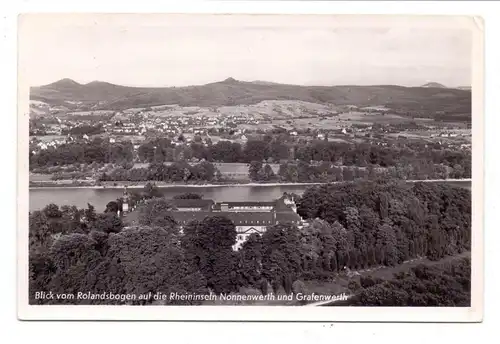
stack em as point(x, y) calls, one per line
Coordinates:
point(232, 166)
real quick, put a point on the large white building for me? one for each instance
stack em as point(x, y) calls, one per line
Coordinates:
point(248, 217)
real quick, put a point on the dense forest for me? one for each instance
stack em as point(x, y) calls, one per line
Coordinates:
point(350, 226)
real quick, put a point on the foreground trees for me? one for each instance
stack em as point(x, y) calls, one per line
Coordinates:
point(350, 227)
point(152, 262)
point(208, 246)
point(143, 260)
point(155, 213)
point(99, 259)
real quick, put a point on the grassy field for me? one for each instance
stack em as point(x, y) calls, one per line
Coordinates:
point(343, 120)
point(48, 138)
point(39, 177)
point(88, 113)
point(367, 117)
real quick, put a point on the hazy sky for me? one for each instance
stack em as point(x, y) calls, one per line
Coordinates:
point(189, 50)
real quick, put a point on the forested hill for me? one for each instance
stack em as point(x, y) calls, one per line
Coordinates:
point(103, 95)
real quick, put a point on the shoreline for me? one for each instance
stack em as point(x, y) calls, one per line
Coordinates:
point(164, 186)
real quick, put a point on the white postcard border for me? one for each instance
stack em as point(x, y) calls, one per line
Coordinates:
point(265, 313)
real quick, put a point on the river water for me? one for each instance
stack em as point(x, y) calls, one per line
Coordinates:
point(40, 197)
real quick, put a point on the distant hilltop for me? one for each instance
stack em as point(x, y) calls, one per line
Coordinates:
point(99, 95)
point(434, 85)
point(438, 85)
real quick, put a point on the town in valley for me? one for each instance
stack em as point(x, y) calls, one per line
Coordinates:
point(104, 143)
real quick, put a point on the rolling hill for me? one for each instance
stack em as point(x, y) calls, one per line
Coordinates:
point(106, 96)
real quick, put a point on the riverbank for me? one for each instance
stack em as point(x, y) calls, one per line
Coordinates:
point(232, 184)
point(162, 186)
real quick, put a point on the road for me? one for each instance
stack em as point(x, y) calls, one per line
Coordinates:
point(327, 302)
point(401, 267)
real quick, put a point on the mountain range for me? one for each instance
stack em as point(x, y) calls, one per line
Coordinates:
point(106, 96)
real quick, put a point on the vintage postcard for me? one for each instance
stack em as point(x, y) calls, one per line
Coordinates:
point(245, 167)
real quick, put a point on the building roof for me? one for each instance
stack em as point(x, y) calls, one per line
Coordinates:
point(287, 216)
point(217, 206)
point(242, 204)
point(239, 219)
point(278, 204)
point(206, 203)
point(192, 203)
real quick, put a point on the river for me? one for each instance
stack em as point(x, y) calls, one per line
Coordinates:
point(40, 197)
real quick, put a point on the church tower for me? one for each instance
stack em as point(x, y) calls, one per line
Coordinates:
point(290, 201)
point(126, 200)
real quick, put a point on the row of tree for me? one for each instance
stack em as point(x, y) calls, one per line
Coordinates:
point(175, 172)
point(418, 157)
point(161, 150)
point(326, 172)
point(341, 153)
point(97, 150)
point(84, 130)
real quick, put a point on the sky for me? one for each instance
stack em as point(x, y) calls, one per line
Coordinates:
point(181, 50)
